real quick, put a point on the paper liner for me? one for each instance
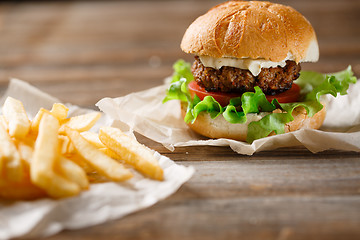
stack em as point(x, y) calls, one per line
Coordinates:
point(145, 113)
point(103, 202)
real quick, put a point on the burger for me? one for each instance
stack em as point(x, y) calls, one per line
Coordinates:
point(246, 81)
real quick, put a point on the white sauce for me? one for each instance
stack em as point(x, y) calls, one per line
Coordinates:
point(255, 65)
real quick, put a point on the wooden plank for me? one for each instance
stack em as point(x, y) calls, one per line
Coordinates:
point(272, 199)
point(77, 33)
point(82, 51)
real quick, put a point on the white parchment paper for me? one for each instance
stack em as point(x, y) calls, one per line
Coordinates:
point(144, 112)
point(103, 202)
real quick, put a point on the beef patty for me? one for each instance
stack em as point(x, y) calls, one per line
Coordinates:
point(230, 79)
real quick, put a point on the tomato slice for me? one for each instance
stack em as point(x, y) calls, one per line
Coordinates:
point(291, 95)
point(220, 97)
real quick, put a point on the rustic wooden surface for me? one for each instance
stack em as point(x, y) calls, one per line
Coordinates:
point(83, 51)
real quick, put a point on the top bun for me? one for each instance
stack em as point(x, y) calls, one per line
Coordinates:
point(255, 30)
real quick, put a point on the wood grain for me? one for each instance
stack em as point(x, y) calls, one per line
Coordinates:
point(82, 51)
point(245, 198)
point(111, 43)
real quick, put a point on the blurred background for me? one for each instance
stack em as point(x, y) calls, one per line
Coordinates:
point(82, 51)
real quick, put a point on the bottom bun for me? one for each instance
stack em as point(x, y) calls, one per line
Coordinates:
point(220, 128)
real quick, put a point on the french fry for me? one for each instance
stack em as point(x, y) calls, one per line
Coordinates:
point(73, 172)
point(10, 161)
point(56, 156)
point(66, 146)
point(46, 154)
point(82, 122)
point(36, 121)
point(59, 111)
point(2, 167)
point(26, 152)
point(95, 177)
point(93, 138)
point(18, 122)
point(110, 153)
point(29, 140)
point(98, 160)
point(24, 190)
point(4, 122)
point(131, 151)
point(78, 160)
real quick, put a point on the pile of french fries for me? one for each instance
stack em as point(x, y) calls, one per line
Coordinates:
point(57, 156)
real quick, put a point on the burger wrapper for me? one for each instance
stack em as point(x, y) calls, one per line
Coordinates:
point(145, 113)
point(101, 203)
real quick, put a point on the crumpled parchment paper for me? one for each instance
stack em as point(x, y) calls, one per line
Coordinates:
point(103, 202)
point(144, 112)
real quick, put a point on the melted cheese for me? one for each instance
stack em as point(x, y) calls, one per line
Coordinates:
point(255, 65)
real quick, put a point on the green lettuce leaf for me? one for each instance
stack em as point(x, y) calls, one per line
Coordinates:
point(313, 86)
point(316, 84)
point(309, 80)
point(274, 122)
point(181, 78)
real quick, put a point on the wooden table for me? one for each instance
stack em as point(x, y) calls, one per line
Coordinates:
point(83, 51)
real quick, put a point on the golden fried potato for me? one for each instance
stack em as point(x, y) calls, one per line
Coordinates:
point(93, 138)
point(11, 167)
point(72, 172)
point(45, 157)
point(23, 190)
point(18, 122)
point(82, 122)
point(131, 151)
point(98, 160)
point(60, 111)
point(55, 156)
